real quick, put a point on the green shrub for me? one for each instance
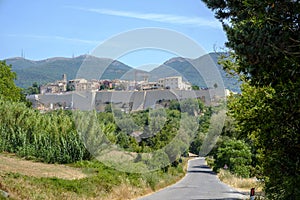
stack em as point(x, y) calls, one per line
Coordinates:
point(236, 154)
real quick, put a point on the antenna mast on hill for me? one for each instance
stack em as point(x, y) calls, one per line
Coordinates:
point(22, 54)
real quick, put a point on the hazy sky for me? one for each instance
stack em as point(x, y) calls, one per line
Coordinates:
point(58, 28)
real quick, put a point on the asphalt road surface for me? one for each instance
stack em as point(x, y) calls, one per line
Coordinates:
point(199, 183)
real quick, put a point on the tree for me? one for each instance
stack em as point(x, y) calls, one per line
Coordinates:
point(264, 36)
point(157, 120)
point(191, 106)
point(174, 105)
point(158, 160)
point(34, 89)
point(195, 87)
point(215, 85)
point(8, 90)
point(236, 154)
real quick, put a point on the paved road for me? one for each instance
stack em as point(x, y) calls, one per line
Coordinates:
point(200, 183)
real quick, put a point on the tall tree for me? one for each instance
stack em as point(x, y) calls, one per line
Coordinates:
point(264, 36)
point(34, 89)
point(8, 89)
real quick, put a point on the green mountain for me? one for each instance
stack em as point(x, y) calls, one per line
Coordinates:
point(52, 69)
point(90, 67)
point(194, 71)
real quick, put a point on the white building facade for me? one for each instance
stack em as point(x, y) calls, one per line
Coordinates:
point(175, 83)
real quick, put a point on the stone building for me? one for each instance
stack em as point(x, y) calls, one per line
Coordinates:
point(57, 87)
point(175, 83)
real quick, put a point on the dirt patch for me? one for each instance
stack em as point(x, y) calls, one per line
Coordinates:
point(9, 163)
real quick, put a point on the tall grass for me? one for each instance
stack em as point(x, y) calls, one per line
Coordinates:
point(50, 137)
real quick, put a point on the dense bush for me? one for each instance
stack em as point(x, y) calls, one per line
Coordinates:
point(236, 155)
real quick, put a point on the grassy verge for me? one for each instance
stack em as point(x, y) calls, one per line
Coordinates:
point(242, 184)
point(101, 183)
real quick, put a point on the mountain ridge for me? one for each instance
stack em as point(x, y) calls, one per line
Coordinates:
point(51, 69)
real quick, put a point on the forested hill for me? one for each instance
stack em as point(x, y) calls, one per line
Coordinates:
point(49, 70)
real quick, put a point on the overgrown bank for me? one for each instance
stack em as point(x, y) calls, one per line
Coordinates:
point(101, 183)
point(60, 137)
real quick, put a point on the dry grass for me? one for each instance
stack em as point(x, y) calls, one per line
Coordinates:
point(10, 163)
point(24, 179)
point(242, 184)
point(127, 192)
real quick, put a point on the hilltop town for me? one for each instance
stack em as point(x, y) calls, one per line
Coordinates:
point(127, 95)
point(81, 84)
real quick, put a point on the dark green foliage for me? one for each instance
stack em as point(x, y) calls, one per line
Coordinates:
point(8, 90)
point(174, 105)
point(265, 38)
point(190, 106)
point(236, 154)
point(123, 140)
point(108, 108)
point(34, 89)
point(195, 87)
point(157, 120)
point(275, 135)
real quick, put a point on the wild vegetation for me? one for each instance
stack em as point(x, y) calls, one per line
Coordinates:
point(242, 184)
point(62, 136)
point(53, 137)
point(102, 182)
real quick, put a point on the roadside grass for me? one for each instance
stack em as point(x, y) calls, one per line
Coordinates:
point(242, 184)
point(101, 182)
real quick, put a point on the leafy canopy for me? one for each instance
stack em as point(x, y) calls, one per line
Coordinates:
point(8, 90)
point(264, 36)
point(236, 155)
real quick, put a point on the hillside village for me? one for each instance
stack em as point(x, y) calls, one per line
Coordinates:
point(127, 95)
point(81, 84)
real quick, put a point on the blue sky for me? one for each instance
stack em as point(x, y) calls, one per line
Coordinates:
point(56, 28)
